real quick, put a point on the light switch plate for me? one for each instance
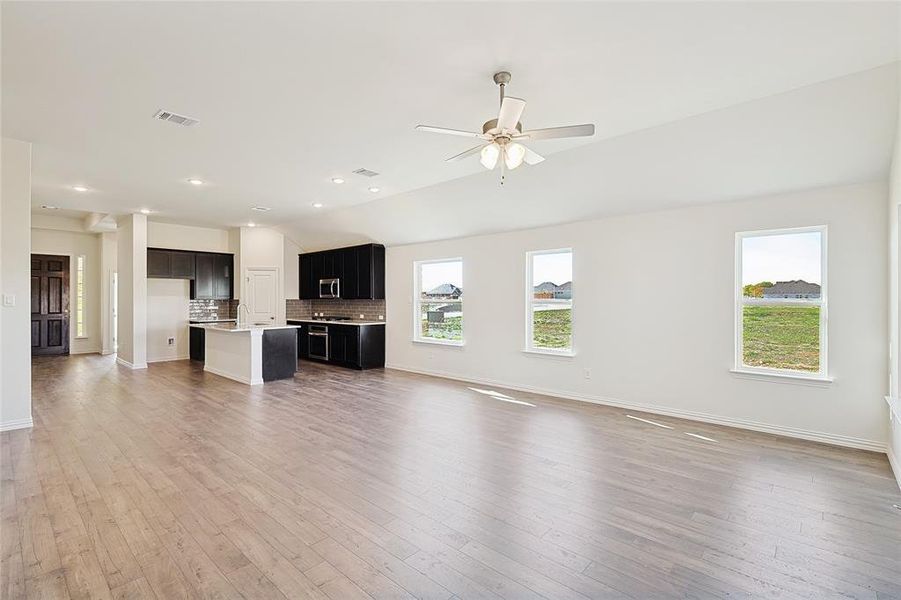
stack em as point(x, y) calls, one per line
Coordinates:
point(9, 299)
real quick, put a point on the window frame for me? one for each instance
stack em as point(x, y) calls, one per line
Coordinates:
point(81, 267)
point(529, 345)
point(823, 303)
point(417, 303)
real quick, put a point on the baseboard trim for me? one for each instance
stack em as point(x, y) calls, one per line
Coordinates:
point(125, 363)
point(244, 380)
point(792, 432)
point(158, 360)
point(84, 351)
point(896, 468)
point(17, 424)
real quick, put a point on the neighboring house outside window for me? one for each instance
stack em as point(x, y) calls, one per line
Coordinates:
point(549, 302)
point(438, 301)
point(80, 297)
point(781, 302)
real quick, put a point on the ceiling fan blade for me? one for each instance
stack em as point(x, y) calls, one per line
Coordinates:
point(466, 153)
point(531, 157)
point(511, 111)
point(558, 132)
point(449, 131)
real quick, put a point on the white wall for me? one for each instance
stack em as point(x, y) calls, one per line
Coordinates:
point(167, 316)
point(15, 282)
point(654, 314)
point(109, 258)
point(186, 237)
point(262, 247)
point(73, 244)
point(292, 270)
point(894, 305)
point(132, 264)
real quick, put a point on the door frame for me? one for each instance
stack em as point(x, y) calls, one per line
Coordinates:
point(246, 288)
point(72, 284)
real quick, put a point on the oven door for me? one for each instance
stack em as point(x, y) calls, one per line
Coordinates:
point(329, 288)
point(317, 339)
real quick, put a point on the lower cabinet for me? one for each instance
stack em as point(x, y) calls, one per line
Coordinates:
point(197, 343)
point(354, 346)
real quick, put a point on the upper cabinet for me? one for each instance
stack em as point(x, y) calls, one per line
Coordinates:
point(360, 271)
point(210, 273)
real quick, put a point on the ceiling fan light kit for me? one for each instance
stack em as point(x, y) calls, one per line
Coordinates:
point(501, 137)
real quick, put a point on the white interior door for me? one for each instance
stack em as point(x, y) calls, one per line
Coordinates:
point(262, 294)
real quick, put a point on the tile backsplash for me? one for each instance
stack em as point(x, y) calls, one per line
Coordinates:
point(212, 309)
point(304, 309)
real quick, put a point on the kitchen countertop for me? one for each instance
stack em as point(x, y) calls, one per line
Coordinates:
point(233, 327)
point(201, 321)
point(338, 322)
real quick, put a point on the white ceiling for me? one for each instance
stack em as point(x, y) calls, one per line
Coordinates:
point(289, 95)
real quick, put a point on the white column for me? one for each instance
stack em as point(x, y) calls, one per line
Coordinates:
point(15, 285)
point(132, 310)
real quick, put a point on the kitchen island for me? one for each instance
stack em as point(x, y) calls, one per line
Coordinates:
point(250, 355)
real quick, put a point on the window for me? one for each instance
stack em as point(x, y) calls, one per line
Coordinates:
point(79, 297)
point(549, 301)
point(438, 301)
point(781, 310)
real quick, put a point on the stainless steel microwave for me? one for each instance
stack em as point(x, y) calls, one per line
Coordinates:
point(330, 288)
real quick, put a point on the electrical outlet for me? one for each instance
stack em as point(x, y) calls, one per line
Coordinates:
point(171, 341)
point(362, 316)
point(587, 373)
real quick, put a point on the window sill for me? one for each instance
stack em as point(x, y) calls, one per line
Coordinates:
point(440, 343)
point(552, 353)
point(791, 378)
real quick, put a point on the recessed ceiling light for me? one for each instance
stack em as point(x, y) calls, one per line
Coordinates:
point(251, 224)
point(337, 180)
point(317, 205)
point(79, 188)
point(261, 208)
point(49, 207)
point(195, 181)
point(146, 211)
point(374, 190)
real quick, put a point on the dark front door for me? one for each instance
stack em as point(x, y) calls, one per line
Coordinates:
point(49, 304)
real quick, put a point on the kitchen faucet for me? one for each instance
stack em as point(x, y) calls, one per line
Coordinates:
point(244, 306)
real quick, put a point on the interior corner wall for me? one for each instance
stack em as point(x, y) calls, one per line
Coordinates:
point(654, 315)
point(15, 285)
point(292, 270)
point(132, 306)
point(894, 306)
point(73, 244)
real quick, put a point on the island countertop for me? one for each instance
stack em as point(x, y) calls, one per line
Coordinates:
point(336, 322)
point(233, 327)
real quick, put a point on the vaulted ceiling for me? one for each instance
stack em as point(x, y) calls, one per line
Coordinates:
point(693, 102)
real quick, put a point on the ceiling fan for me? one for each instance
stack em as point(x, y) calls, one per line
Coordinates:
point(502, 136)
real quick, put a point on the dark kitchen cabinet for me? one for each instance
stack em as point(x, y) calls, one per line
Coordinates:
point(181, 265)
point(350, 284)
point(222, 276)
point(360, 270)
point(197, 343)
point(214, 277)
point(211, 273)
point(344, 345)
point(203, 280)
point(303, 340)
point(158, 263)
point(169, 264)
point(354, 346)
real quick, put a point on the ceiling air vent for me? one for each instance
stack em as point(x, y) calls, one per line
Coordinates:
point(365, 173)
point(165, 115)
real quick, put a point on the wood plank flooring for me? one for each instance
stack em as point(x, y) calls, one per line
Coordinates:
point(172, 483)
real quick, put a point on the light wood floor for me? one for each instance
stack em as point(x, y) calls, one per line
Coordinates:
point(171, 483)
